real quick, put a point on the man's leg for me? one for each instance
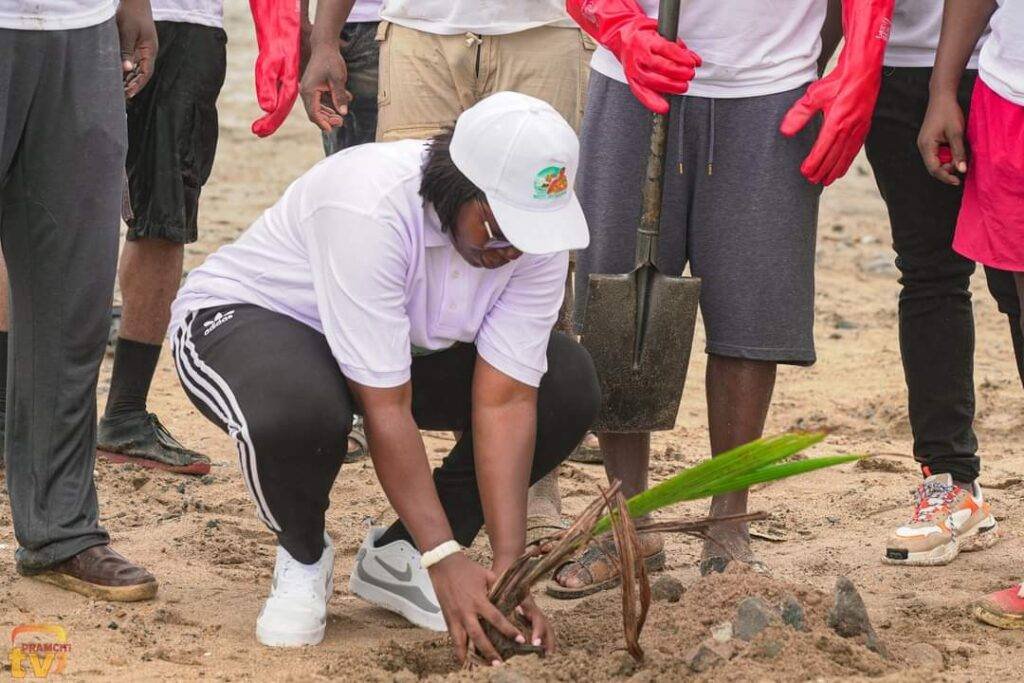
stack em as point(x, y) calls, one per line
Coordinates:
point(739, 393)
point(1003, 287)
point(756, 264)
point(4, 327)
point(60, 243)
point(935, 314)
point(172, 140)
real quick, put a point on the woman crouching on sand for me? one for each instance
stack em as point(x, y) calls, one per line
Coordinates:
point(417, 284)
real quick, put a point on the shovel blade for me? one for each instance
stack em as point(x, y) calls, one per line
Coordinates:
point(641, 397)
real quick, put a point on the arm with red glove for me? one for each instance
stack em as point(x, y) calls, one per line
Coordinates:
point(653, 66)
point(847, 95)
point(277, 66)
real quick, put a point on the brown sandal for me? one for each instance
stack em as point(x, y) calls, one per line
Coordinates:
point(599, 550)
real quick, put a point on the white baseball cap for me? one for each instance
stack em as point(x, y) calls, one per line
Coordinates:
point(524, 156)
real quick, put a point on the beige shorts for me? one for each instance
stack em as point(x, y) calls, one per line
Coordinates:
point(427, 80)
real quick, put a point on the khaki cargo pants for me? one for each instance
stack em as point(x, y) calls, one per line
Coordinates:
point(427, 80)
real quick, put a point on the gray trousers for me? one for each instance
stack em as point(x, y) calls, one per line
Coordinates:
point(62, 151)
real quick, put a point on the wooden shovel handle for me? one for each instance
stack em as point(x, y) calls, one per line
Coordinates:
point(650, 219)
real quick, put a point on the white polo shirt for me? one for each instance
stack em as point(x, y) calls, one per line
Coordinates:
point(365, 10)
point(482, 17)
point(748, 47)
point(202, 12)
point(1001, 65)
point(55, 15)
point(351, 250)
point(916, 25)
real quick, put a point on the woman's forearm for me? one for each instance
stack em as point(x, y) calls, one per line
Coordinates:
point(400, 461)
point(963, 23)
point(504, 437)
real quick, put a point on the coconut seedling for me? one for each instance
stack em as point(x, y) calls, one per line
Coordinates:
point(757, 462)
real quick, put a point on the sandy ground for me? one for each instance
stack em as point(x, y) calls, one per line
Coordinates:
point(213, 558)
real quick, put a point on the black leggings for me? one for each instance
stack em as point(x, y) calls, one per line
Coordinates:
point(271, 383)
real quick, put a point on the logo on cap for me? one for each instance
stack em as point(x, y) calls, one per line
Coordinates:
point(550, 183)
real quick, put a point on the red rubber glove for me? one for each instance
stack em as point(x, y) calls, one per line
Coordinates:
point(847, 95)
point(653, 65)
point(277, 67)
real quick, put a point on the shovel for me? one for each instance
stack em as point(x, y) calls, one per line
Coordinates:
point(638, 327)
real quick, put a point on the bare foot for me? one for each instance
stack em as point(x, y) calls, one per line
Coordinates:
point(727, 543)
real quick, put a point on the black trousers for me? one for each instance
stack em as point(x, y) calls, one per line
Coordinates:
point(272, 384)
point(936, 320)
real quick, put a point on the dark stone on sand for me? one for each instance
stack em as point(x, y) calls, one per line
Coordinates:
point(708, 654)
point(667, 589)
point(849, 617)
point(793, 614)
point(753, 615)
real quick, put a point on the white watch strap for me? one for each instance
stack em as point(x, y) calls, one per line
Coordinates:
point(432, 557)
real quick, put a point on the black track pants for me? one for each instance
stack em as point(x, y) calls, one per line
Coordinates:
point(272, 384)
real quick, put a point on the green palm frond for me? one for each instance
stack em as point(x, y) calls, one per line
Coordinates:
point(753, 463)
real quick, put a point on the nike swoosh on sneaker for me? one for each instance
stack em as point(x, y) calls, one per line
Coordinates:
point(411, 593)
point(402, 576)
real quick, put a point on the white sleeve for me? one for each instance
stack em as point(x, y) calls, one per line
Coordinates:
point(515, 332)
point(359, 269)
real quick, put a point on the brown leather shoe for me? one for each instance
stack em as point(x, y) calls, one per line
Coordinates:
point(100, 572)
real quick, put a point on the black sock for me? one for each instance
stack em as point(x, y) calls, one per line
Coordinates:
point(134, 366)
point(3, 374)
point(395, 532)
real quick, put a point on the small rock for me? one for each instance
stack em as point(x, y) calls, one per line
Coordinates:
point(139, 482)
point(793, 614)
point(925, 656)
point(722, 633)
point(212, 524)
point(849, 617)
point(708, 654)
point(207, 479)
point(844, 324)
point(112, 625)
point(667, 589)
point(752, 616)
point(181, 487)
point(770, 649)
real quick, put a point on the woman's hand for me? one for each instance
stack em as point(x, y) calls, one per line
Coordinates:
point(542, 633)
point(462, 586)
point(943, 126)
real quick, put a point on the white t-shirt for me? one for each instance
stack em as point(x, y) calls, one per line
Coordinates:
point(483, 17)
point(351, 250)
point(748, 47)
point(1001, 64)
point(202, 12)
point(54, 15)
point(365, 10)
point(916, 25)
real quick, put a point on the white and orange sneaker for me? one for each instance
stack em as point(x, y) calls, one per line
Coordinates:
point(947, 520)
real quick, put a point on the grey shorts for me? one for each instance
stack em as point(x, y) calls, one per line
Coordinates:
point(740, 213)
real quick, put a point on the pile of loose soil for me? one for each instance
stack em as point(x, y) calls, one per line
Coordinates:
point(738, 625)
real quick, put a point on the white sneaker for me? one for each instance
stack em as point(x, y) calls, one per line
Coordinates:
point(393, 578)
point(295, 614)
